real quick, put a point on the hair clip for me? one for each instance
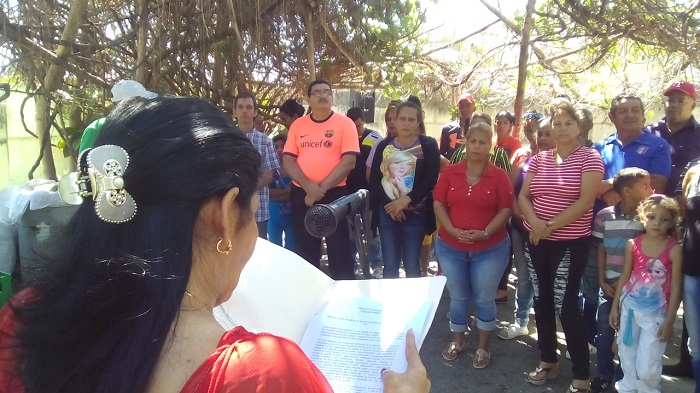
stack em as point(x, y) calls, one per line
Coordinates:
point(102, 179)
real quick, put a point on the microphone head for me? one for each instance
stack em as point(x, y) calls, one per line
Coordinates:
point(320, 221)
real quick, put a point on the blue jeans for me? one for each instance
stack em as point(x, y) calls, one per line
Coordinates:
point(590, 294)
point(473, 276)
point(402, 241)
point(281, 222)
point(524, 292)
point(691, 315)
point(604, 341)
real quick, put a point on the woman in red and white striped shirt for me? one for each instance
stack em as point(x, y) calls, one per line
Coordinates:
point(556, 202)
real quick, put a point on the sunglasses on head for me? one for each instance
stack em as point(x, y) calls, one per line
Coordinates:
point(535, 116)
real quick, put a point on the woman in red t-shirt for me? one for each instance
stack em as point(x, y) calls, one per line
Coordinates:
point(127, 304)
point(473, 202)
point(556, 201)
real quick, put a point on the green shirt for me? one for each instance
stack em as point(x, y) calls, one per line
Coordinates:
point(90, 134)
point(497, 156)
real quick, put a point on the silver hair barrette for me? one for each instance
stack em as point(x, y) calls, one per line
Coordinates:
point(102, 179)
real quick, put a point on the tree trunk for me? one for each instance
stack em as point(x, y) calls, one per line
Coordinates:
point(522, 65)
point(311, 46)
point(54, 77)
point(52, 81)
point(141, 42)
point(75, 121)
point(43, 130)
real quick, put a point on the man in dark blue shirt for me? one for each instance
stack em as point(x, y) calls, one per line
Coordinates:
point(679, 128)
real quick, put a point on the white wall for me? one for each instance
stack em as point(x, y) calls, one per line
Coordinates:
point(21, 150)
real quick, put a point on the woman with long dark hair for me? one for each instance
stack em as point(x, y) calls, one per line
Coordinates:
point(404, 171)
point(290, 110)
point(164, 229)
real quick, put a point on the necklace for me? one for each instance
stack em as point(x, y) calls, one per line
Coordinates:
point(474, 177)
point(404, 146)
point(196, 299)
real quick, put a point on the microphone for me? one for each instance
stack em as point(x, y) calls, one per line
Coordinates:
point(321, 220)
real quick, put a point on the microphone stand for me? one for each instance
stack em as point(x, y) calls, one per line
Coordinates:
point(358, 230)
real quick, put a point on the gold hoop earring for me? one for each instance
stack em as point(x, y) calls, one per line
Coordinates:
point(228, 247)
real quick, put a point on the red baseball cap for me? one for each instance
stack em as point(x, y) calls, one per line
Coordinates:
point(684, 87)
point(466, 97)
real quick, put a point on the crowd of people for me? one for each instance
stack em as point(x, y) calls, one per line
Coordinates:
point(604, 236)
point(573, 216)
point(553, 208)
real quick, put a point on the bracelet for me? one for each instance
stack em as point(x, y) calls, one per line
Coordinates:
point(486, 234)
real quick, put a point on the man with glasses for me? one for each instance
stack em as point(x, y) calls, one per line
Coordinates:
point(319, 154)
point(680, 129)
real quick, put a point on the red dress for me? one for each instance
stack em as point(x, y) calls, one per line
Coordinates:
point(10, 381)
point(248, 362)
point(243, 362)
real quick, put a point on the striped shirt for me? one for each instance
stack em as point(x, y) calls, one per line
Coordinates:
point(615, 228)
point(268, 162)
point(555, 187)
point(497, 156)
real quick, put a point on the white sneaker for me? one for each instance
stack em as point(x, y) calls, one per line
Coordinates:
point(513, 331)
point(592, 350)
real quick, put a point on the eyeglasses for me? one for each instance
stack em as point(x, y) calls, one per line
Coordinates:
point(535, 116)
point(321, 93)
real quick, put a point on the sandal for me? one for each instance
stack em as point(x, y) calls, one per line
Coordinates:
point(572, 389)
point(451, 351)
point(481, 359)
point(546, 373)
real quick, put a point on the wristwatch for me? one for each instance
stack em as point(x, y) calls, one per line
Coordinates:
point(486, 234)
